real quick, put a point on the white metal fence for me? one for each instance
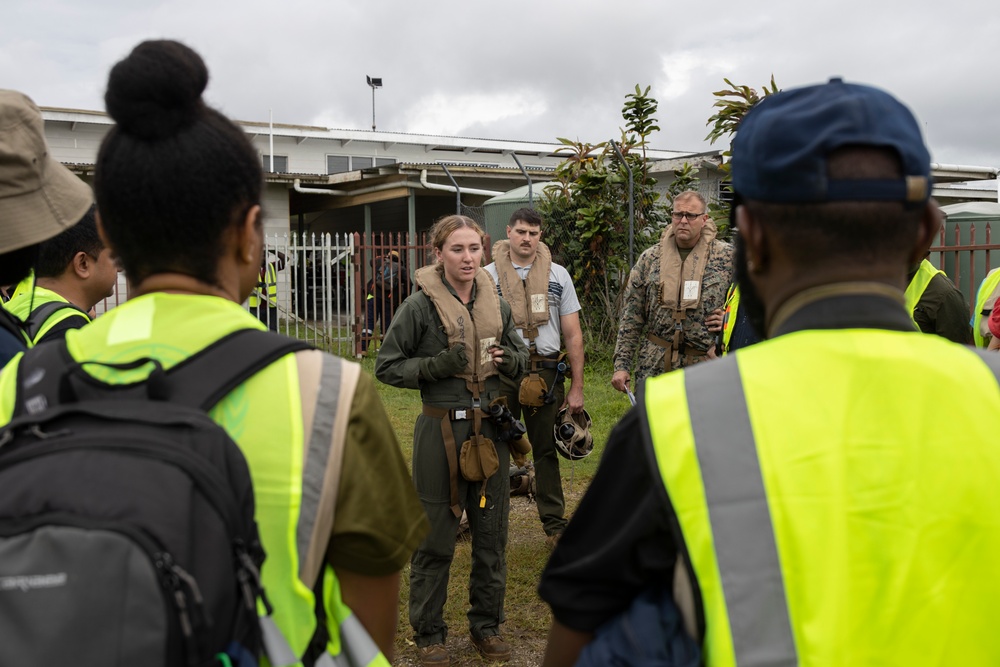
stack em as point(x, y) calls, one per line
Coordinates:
point(316, 289)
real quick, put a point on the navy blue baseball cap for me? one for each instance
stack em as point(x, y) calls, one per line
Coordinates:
point(781, 146)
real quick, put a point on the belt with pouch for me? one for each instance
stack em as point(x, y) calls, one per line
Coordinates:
point(447, 416)
point(546, 361)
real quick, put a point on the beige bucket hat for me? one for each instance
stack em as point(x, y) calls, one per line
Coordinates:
point(39, 197)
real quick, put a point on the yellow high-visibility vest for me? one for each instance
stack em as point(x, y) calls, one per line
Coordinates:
point(843, 509)
point(268, 286)
point(729, 320)
point(986, 289)
point(918, 285)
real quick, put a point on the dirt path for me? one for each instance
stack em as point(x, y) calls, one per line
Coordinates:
point(528, 618)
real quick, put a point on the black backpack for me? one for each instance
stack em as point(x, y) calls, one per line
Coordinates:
point(127, 532)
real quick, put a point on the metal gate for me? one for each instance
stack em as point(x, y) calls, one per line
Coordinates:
point(316, 279)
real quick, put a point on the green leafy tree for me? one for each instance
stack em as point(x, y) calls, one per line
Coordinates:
point(587, 215)
point(732, 105)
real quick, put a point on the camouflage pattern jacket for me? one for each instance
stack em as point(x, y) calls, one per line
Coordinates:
point(642, 313)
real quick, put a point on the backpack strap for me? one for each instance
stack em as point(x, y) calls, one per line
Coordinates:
point(39, 316)
point(204, 379)
point(11, 324)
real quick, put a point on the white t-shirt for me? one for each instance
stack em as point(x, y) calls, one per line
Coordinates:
point(562, 301)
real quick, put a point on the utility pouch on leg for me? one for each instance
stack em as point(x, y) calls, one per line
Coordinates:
point(532, 391)
point(478, 461)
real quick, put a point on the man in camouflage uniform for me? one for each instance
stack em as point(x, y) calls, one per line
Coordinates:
point(664, 319)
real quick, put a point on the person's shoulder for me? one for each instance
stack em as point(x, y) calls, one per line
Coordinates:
point(651, 252)
point(723, 246)
point(560, 273)
point(942, 282)
point(417, 299)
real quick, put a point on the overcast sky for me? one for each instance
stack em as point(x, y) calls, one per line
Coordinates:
point(525, 70)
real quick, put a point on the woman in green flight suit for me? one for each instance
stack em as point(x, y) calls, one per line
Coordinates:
point(451, 340)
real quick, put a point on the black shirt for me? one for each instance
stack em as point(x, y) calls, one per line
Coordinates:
point(942, 310)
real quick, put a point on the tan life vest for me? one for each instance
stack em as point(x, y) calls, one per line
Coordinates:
point(680, 285)
point(479, 332)
point(675, 272)
point(528, 298)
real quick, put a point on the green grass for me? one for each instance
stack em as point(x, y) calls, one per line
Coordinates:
point(527, 616)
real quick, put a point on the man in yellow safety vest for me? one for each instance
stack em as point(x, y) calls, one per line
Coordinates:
point(828, 496)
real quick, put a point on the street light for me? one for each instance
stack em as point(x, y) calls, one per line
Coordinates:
point(374, 83)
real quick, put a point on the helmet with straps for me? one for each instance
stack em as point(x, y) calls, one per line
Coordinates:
point(572, 434)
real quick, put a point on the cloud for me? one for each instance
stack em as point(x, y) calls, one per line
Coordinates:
point(441, 113)
point(523, 70)
point(681, 69)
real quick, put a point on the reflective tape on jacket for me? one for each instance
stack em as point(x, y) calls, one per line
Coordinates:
point(828, 517)
point(986, 289)
point(918, 285)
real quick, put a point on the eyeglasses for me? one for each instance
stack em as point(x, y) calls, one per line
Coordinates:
point(684, 215)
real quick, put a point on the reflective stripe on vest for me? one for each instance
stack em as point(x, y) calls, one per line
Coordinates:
point(801, 525)
point(729, 319)
point(736, 543)
point(921, 279)
point(350, 644)
point(360, 649)
point(317, 458)
point(310, 525)
point(989, 284)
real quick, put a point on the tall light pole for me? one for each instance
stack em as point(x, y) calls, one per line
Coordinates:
point(374, 83)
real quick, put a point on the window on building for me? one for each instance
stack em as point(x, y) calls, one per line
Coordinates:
point(280, 163)
point(336, 164)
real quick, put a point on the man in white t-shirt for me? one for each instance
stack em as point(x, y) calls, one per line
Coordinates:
point(547, 312)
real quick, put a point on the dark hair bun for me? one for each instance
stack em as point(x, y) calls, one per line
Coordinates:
point(156, 90)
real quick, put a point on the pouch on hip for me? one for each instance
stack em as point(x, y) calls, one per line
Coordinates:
point(532, 390)
point(478, 460)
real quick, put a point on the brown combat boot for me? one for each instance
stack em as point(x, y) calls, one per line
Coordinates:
point(492, 648)
point(434, 655)
point(552, 540)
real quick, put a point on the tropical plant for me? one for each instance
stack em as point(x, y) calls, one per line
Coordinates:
point(732, 105)
point(587, 214)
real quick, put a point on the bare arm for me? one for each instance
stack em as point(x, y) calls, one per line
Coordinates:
point(564, 646)
point(573, 335)
point(375, 601)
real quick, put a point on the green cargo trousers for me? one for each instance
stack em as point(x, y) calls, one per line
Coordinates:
point(431, 562)
point(539, 422)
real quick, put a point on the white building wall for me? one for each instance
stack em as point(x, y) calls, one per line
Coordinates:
point(275, 208)
point(78, 145)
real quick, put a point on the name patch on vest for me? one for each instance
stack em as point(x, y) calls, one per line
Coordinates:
point(690, 289)
point(484, 350)
point(538, 303)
